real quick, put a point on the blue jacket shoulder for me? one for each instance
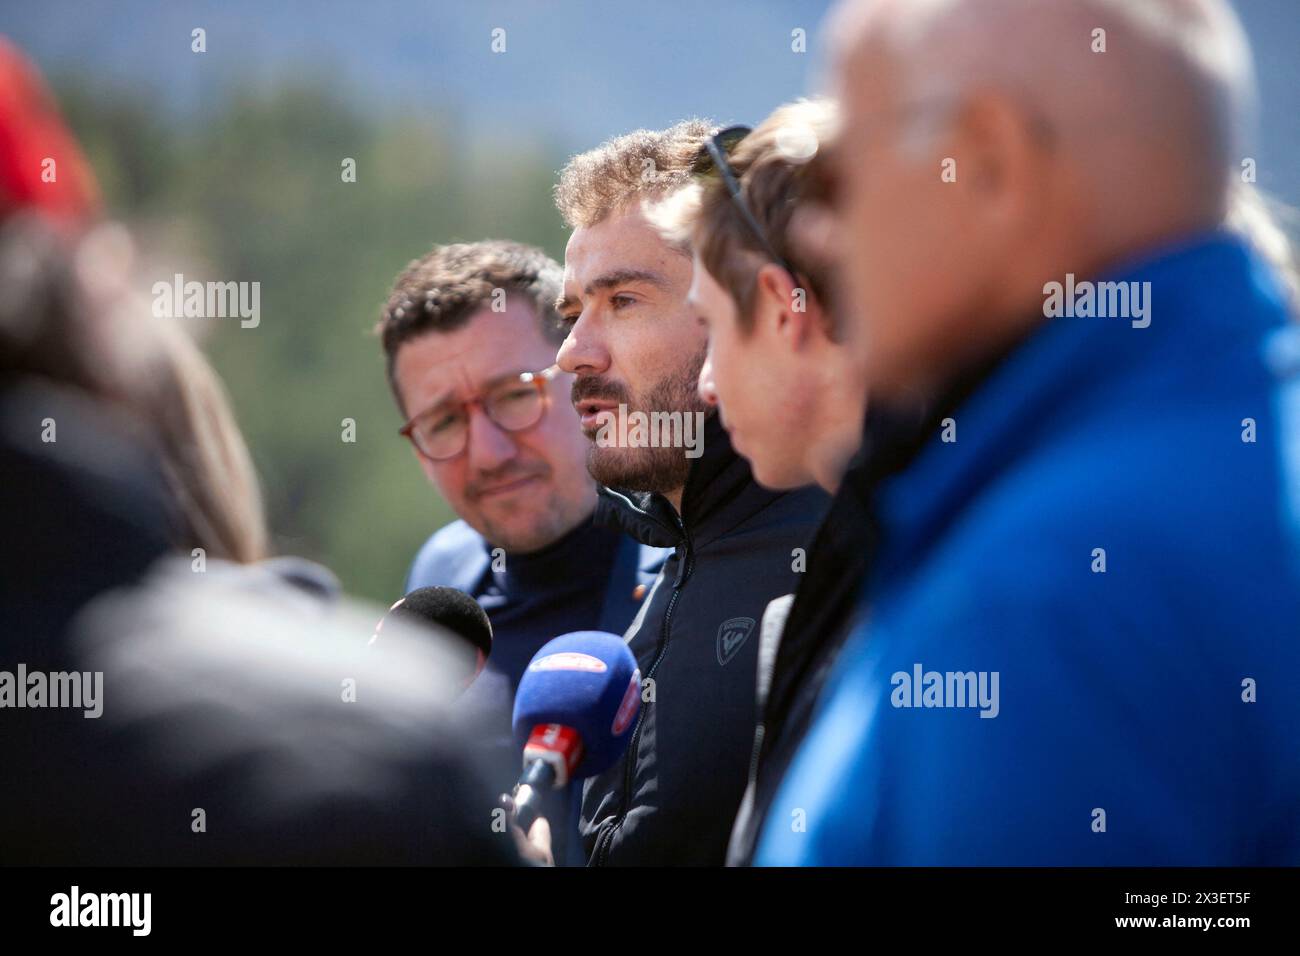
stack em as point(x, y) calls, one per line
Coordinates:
point(454, 556)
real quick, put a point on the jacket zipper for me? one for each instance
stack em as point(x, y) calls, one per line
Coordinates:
point(629, 762)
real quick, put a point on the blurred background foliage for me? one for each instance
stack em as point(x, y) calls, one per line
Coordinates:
point(227, 166)
point(257, 194)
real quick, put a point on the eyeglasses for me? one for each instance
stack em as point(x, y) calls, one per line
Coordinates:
point(517, 403)
point(713, 156)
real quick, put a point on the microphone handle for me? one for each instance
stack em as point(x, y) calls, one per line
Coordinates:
point(538, 778)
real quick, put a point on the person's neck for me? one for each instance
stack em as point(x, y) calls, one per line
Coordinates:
point(711, 458)
point(583, 519)
point(834, 429)
point(1011, 306)
point(1007, 310)
point(675, 499)
point(836, 454)
point(578, 552)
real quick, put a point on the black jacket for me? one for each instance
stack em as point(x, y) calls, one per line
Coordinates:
point(799, 645)
point(671, 800)
point(801, 639)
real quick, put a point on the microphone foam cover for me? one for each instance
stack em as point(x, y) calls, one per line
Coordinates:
point(449, 608)
point(587, 681)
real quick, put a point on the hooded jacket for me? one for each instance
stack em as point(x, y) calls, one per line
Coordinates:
point(672, 798)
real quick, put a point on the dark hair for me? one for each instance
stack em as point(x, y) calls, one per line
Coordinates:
point(440, 291)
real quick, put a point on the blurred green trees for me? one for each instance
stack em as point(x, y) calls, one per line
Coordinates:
point(254, 192)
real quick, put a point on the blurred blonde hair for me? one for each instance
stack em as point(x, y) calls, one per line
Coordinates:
point(775, 166)
point(204, 457)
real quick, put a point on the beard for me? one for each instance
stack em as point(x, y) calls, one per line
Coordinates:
point(658, 470)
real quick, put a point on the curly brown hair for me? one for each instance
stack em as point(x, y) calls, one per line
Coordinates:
point(643, 164)
point(441, 290)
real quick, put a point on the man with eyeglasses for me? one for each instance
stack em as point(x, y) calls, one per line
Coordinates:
point(470, 333)
point(635, 343)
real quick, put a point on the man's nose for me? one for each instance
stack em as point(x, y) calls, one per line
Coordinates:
point(490, 445)
point(708, 392)
point(583, 352)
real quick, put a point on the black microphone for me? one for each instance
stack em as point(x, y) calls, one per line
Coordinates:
point(451, 611)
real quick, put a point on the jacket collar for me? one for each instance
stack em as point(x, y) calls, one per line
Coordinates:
point(1209, 293)
point(720, 493)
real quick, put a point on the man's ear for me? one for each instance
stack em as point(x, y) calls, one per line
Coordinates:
point(791, 308)
point(1002, 155)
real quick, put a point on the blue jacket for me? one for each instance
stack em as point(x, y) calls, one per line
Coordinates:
point(592, 578)
point(1147, 714)
point(456, 556)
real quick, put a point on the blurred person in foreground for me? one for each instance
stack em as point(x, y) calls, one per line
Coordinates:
point(151, 714)
point(635, 346)
point(216, 512)
point(469, 333)
point(1082, 591)
point(773, 331)
point(204, 458)
point(158, 710)
point(83, 492)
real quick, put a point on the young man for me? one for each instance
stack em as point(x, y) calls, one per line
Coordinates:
point(772, 331)
point(470, 333)
point(636, 347)
point(1083, 576)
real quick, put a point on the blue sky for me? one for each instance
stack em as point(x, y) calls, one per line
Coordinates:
point(574, 71)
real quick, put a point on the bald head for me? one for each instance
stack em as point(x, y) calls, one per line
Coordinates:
point(1115, 80)
point(1026, 138)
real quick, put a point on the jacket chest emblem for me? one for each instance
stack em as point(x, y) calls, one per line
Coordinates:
point(731, 635)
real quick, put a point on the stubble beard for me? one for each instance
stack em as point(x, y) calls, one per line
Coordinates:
point(658, 470)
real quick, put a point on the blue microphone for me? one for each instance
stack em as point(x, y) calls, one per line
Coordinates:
point(574, 711)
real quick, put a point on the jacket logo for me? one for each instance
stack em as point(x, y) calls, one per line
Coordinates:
point(731, 636)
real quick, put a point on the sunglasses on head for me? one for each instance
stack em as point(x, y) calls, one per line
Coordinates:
point(713, 158)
